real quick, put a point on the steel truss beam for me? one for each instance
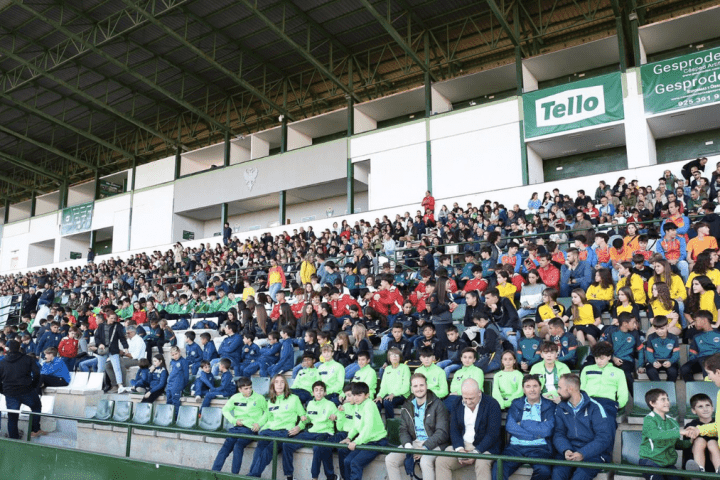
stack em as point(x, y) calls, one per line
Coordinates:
point(306, 54)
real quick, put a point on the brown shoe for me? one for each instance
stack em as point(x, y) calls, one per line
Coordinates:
point(113, 389)
point(39, 433)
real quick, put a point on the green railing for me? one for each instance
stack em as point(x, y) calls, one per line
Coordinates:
point(605, 467)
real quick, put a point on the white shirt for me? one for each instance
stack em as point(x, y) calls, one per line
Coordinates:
point(469, 419)
point(136, 347)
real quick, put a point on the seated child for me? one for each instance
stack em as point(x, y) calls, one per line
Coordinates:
point(203, 382)
point(227, 386)
point(468, 357)
point(209, 351)
point(661, 435)
point(142, 378)
point(662, 351)
point(507, 383)
point(321, 416)
point(436, 378)
point(365, 373)
point(54, 372)
point(604, 381)
point(704, 453)
point(367, 429)
point(527, 351)
point(549, 371)
point(158, 379)
point(249, 353)
point(193, 352)
point(245, 412)
point(565, 342)
point(450, 350)
point(269, 355)
point(306, 377)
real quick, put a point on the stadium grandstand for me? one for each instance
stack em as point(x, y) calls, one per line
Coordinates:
point(286, 231)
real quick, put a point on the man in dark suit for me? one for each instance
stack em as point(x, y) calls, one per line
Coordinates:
point(483, 413)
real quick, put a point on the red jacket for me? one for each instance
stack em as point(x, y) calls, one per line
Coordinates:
point(550, 275)
point(340, 306)
point(140, 317)
point(478, 284)
point(428, 202)
point(391, 301)
point(68, 347)
point(297, 309)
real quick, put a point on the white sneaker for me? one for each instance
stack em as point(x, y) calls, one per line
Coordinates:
point(198, 399)
point(692, 466)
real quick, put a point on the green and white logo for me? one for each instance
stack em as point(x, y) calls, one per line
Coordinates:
point(570, 106)
point(585, 103)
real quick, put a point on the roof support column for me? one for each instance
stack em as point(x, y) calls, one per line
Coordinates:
point(282, 207)
point(226, 150)
point(6, 215)
point(284, 126)
point(178, 162)
point(350, 206)
point(428, 109)
point(63, 200)
point(33, 203)
point(223, 215)
point(96, 196)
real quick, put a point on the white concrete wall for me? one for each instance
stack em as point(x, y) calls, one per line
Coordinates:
point(40, 254)
point(181, 223)
point(79, 194)
point(152, 217)
point(155, 173)
point(73, 243)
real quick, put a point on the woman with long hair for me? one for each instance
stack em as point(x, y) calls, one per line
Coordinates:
point(283, 420)
point(531, 295)
point(704, 265)
point(600, 292)
point(662, 303)
point(664, 273)
point(362, 344)
point(625, 303)
point(702, 297)
point(586, 318)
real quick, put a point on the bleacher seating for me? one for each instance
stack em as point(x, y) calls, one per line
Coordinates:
point(693, 388)
point(640, 408)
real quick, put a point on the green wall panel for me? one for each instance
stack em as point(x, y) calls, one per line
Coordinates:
point(22, 460)
point(609, 160)
point(687, 147)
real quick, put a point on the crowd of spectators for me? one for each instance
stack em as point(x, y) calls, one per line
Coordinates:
point(527, 287)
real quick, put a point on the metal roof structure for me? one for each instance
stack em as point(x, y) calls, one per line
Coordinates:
point(92, 87)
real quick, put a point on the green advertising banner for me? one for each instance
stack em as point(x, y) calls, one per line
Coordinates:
point(108, 189)
point(580, 104)
point(682, 82)
point(76, 219)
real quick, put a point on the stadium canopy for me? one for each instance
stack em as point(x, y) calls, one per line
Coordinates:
point(94, 87)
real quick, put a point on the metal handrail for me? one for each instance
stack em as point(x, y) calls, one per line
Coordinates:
point(608, 467)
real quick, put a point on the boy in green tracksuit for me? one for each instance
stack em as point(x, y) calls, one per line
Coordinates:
point(549, 371)
point(332, 374)
point(436, 377)
point(468, 357)
point(661, 434)
point(395, 384)
point(306, 378)
point(283, 420)
point(367, 429)
point(604, 381)
point(366, 374)
point(126, 311)
point(247, 413)
point(321, 415)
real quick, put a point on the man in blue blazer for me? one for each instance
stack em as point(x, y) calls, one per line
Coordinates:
point(474, 428)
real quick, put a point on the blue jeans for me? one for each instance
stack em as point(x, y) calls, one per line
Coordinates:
point(389, 406)
point(576, 473)
point(644, 462)
point(384, 342)
point(32, 400)
point(236, 446)
point(510, 338)
point(351, 370)
point(288, 449)
point(488, 364)
point(263, 452)
point(324, 455)
point(97, 362)
point(449, 367)
point(355, 462)
point(540, 472)
point(526, 312)
point(273, 290)
point(303, 395)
